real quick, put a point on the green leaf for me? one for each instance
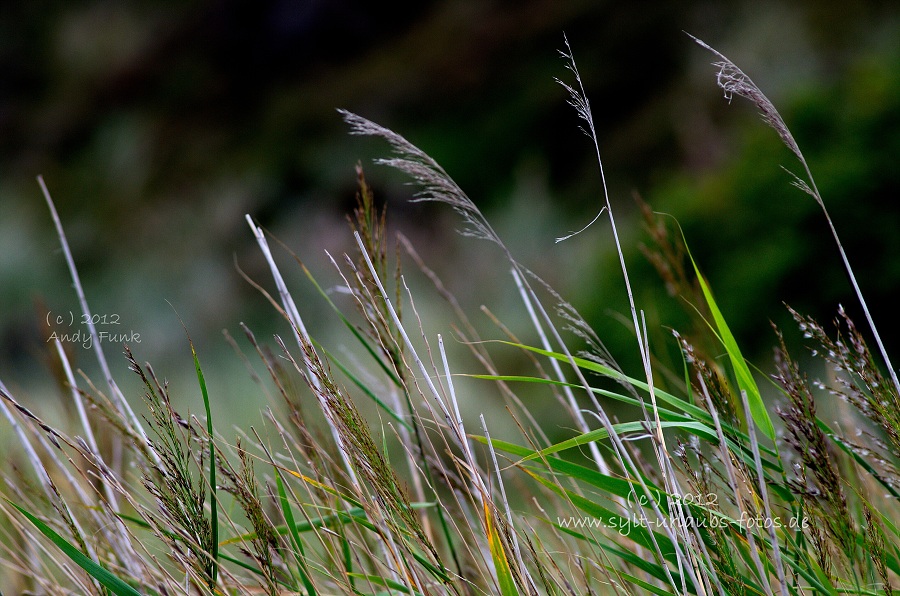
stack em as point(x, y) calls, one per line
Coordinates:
point(95, 570)
point(634, 532)
point(213, 501)
point(288, 513)
point(628, 557)
point(498, 555)
point(737, 440)
point(692, 427)
point(741, 371)
point(383, 581)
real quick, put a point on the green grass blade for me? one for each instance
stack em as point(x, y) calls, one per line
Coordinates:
point(628, 557)
point(694, 412)
point(665, 413)
point(354, 515)
point(691, 427)
point(383, 581)
point(742, 372)
point(636, 533)
point(299, 553)
point(817, 579)
point(348, 560)
point(616, 487)
point(213, 501)
point(98, 572)
point(619, 487)
point(498, 555)
point(647, 587)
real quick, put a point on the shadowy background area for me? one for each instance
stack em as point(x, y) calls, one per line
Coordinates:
point(158, 125)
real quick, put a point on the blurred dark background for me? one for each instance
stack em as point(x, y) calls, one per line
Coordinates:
point(158, 125)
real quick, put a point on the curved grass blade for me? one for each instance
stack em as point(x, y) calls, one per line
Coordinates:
point(692, 427)
point(383, 581)
point(617, 487)
point(299, 553)
point(213, 501)
point(742, 374)
point(665, 413)
point(590, 365)
point(637, 533)
point(647, 587)
point(631, 558)
point(222, 556)
point(691, 410)
point(101, 574)
point(498, 555)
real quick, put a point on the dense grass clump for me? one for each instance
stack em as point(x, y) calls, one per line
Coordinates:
point(703, 492)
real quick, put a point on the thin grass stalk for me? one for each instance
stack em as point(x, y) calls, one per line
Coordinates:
point(375, 317)
point(469, 335)
point(400, 381)
point(79, 405)
point(457, 428)
point(582, 106)
point(456, 424)
point(732, 481)
point(460, 434)
point(764, 493)
point(580, 102)
point(386, 543)
point(125, 549)
point(513, 534)
point(599, 460)
point(457, 420)
point(708, 567)
point(733, 80)
point(622, 453)
point(290, 490)
point(32, 455)
point(119, 399)
point(300, 334)
point(120, 541)
point(577, 412)
point(49, 487)
point(407, 441)
point(676, 507)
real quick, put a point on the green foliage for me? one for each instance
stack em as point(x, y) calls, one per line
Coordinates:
point(95, 570)
point(702, 492)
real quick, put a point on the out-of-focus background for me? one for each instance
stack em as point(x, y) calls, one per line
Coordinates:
point(157, 125)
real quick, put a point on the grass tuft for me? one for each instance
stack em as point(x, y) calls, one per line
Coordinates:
point(660, 481)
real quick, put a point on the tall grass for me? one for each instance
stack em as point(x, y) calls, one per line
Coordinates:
point(704, 492)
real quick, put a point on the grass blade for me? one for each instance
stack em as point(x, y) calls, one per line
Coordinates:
point(101, 574)
point(498, 555)
point(742, 372)
point(299, 554)
point(213, 501)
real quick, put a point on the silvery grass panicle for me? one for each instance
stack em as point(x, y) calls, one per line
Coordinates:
point(734, 81)
point(433, 181)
